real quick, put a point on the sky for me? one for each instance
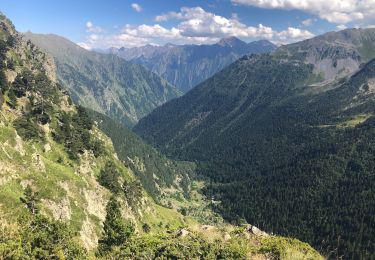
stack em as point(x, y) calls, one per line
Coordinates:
point(121, 23)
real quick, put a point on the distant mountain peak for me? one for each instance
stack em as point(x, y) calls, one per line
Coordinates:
point(170, 45)
point(231, 42)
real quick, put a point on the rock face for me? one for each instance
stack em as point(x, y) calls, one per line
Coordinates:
point(183, 233)
point(185, 66)
point(335, 54)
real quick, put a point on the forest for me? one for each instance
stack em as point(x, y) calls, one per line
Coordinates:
point(290, 160)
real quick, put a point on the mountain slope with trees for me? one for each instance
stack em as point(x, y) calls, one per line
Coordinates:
point(64, 193)
point(105, 83)
point(283, 146)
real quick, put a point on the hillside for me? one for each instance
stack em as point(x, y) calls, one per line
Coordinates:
point(296, 143)
point(65, 194)
point(187, 65)
point(334, 54)
point(105, 83)
point(158, 174)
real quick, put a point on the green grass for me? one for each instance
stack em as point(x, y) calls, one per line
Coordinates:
point(349, 122)
point(367, 50)
point(287, 248)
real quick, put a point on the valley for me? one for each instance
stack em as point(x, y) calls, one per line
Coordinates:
point(70, 192)
point(168, 131)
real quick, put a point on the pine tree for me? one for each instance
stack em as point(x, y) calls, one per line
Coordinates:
point(31, 200)
point(116, 229)
point(109, 177)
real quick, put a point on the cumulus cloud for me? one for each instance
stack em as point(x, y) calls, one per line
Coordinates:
point(308, 22)
point(136, 7)
point(334, 11)
point(293, 35)
point(195, 25)
point(196, 22)
point(93, 29)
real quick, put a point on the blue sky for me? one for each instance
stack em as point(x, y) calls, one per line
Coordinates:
point(102, 24)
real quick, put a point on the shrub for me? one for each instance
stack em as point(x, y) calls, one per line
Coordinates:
point(26, 128)
point(109, 177)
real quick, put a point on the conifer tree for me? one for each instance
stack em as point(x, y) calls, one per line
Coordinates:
point(117, 230)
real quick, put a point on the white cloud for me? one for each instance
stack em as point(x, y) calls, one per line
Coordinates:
point(308, 22)
point(195, 25)
point(341, 27)
point(167, 16)
point(136, 7)
point(93, 29)
point(334, 11)
point(293, 35)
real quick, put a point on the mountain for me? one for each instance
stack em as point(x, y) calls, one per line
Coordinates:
point(286, 140)
point(187, 65)
point(157, 173)
point(66, 195)
point(335, 54)
point(105, 83)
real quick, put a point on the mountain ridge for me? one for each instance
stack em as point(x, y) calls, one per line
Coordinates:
point(187, 65)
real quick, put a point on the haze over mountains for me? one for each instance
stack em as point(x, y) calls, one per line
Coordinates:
point(185, 66)
point(286, 139)
point(105, 83)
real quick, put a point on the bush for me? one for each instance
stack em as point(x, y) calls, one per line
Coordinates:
point(12, 103)
point(26, 128)
point(132, 192)
point(117, 230)
point(109, 177)
point(146, 228)
point(39, 237)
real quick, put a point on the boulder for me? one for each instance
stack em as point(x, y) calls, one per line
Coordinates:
point(256, 231)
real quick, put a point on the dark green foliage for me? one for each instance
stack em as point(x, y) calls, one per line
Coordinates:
point(97, 147)
point(146, 228)
point(3, 81)
point(3, 49)
point(74, 133)
point(31, 200)
point(12, 102)
point(82, 119)
point(41, 111)
point(129, 146)
point(288, 162)
point(132, 192)
point(11, 41)
point(109, 177)
point(20, 85)
point(27, 128)
point(10, 64)
point(117, 230)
